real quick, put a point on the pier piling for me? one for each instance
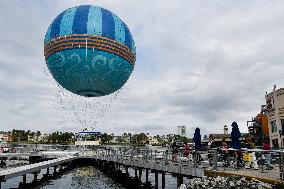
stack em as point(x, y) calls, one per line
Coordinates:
point(140, 173)
point(24, 179)
point(156, 180)
point(135, 172)
point(179, 180)
point(147, 175)
point(163, 180)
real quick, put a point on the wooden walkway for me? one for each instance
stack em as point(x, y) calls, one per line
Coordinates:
point(186, 169)
point(27, 169)
point(159, 162)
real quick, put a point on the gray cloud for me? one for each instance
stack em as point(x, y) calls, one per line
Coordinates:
point(198, 64)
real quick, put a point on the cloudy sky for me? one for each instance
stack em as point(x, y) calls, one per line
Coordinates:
point(199, 63)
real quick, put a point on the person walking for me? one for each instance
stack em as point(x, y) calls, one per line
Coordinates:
point(210, 144)
point(174, 148)
point(185, 150)
point(267, 155)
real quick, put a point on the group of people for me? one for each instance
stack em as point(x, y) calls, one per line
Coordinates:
point(186, 149)
point(243, 158)
point(7, 150)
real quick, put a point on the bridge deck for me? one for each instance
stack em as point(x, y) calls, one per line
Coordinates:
point(186, 168)
point(6, 155)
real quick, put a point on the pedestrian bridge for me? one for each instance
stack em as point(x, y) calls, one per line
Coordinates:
point(117, 162)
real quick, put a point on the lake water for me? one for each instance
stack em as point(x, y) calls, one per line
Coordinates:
point(86, 178)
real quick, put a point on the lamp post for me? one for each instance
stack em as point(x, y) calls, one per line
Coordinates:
point(280, 134)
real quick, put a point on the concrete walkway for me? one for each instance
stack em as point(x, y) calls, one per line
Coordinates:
point(269, 176)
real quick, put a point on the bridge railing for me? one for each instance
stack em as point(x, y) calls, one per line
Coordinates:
point(214, 158)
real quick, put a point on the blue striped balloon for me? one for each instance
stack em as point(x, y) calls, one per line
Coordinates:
point(89, 51)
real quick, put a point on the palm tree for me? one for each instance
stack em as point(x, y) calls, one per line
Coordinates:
point(130, 136)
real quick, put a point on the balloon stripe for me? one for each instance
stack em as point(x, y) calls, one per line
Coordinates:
point(90, 47)
point(51, 50)
point(55, 28)
point(89, 40)
point(117, 45)
point(81, 19)
point(98, 46)
point(90, 36)
point(67, 22)
point(108, 24)
point(119, 29)
point(47, 35)
point(94, 25)
point(128, 37)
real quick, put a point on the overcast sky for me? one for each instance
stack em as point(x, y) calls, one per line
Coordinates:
point(199, 63)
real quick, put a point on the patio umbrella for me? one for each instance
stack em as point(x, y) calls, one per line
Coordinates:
point(235, 136)
point(197, 139)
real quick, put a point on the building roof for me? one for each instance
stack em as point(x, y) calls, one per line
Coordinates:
point(225, 135)
point(280, 90)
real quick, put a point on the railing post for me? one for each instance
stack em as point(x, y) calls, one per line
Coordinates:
point(281, 164)
point(147, 175)
point(156, 180)
point(215, 159)
point(166, 159)
point(195, 159)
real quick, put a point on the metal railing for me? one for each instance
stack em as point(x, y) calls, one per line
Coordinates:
point(214, 158)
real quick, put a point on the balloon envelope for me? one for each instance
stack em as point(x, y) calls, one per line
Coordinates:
point(89, 51)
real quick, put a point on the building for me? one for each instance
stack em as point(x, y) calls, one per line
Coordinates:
point(226, 130)
point(5, 137)
point(275, 113)
point(153, 140)
point(38, 138)
point(218, 138)
point(258, 127)
point(181, 130)
point(88, 138)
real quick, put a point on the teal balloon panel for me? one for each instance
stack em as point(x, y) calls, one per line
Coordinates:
point(89, 51)
point(89, 72)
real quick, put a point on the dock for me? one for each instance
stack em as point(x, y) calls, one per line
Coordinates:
point(116, 163)
point(35, 169)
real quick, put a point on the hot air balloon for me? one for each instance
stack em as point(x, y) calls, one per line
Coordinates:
point(89, 51)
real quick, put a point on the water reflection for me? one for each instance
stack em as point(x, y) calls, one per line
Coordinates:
point(81, 178)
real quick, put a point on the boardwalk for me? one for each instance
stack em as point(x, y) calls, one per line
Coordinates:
point(116, 162)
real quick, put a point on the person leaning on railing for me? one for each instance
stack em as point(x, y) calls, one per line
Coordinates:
point(186, 149)
point(267, 155)
point(211, 148)
point(225, 153)
point(249, 157)
point(174, 148)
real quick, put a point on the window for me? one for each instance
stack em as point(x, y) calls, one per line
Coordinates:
point(273, 126)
